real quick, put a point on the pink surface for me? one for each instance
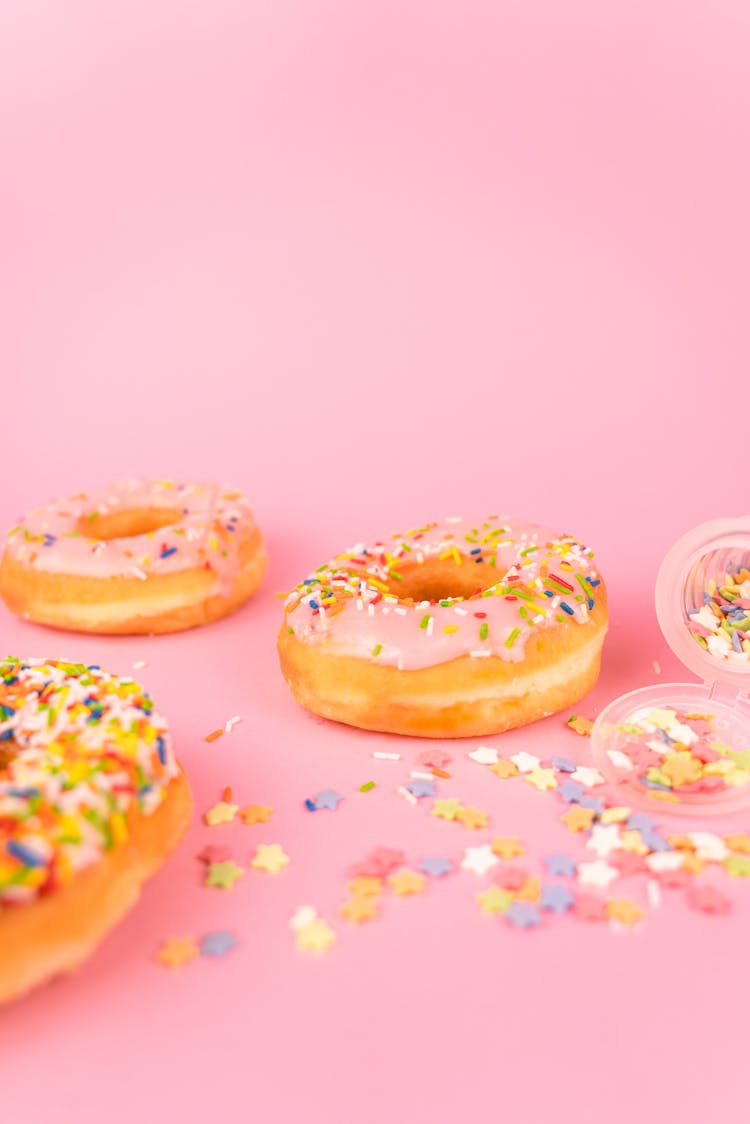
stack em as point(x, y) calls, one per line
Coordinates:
point(377, 266)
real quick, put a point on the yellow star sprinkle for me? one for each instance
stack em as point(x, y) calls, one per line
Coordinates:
point(494, 900)
point(472, 818)
point(541, 778)
point(504, 769)
point(221, 813)
point(365, 885)
point(739, 843)
point(177, 951)
point(315, 936)
point(255, 813)
point(359, 909)
point(614, 815)
point(271, 858)
point(446, 809)
point(624, 911)
point(632, 841)
point(506, 847)
point(223, 875)
point(406, 882)
point(682, 768)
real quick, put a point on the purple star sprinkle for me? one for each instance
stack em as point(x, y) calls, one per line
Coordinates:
point(523, 915)
point(420, 787)
point(328, 799)
point(217, 944)
point(571, 792)
point(561, 866)
point(556, 897)
point(436, 866)
point(564, 765)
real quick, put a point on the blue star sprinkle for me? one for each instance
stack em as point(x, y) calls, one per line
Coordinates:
point(217, 944)
point(327, 799)
point(556, 897)
point(421, 788)
point(571, 792)
point(564, 765)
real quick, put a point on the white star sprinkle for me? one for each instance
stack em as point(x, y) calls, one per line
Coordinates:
point(604, 839)
point(485, 755)
point(598, 873)
point(587, 776)
point(479, 859)
point(525, 762)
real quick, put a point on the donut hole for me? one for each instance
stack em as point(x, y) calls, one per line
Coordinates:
point(128, 523)
point(441, 579)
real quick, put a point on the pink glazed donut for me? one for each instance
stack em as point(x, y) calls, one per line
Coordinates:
point(138, 557)
point(454, 629)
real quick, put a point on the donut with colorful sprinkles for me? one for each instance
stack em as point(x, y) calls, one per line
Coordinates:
point(91, 802)
point(138, 557)
point(454, 629)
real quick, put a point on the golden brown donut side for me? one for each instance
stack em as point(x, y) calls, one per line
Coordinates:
point(57, 932)
point(136, 607)
point(465, 697)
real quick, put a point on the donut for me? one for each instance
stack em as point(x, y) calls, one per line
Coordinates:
point(91, 802)
point(453, 629)
point(138, 557)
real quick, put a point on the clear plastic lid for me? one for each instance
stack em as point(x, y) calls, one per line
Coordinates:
point(686, 746)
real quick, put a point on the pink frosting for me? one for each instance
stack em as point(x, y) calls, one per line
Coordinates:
point(531, 578)
point(56, 538)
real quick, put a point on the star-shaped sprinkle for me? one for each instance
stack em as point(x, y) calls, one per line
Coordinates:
point(564, 765)
point(359, 910)
point(507, 846)
point(665, 860)
point(223, 875)
point(472, 818)
point(624, 911)
point(738, 842)
point(484, 755)
point(504, 769)
point(479, 859)
point(708, 900)
point(617, 814)
point(571, 791)
point(407, 882)
point(604, 839)
point(709, 846)
point(421, 788)
point(579, 725)
point(446, 809)
point(587, 776)
point(365, 886)
point(682, 769)
point(435, 758)
point(577, 818)
point(639, 821)
point(436, 866)
point(270, 857)
point(316, 936)
point(561, 866)
point(597, 873)
point(738, 866)
point(530, 889)
point(302, 916)
point(494, 900)
point(654, 841)
point(177, 951)
point(542, 779)
point(217, 944)
point(523, 915)
point(214, 853)
point(587, 907)
point(525, 762)
point(556, 897)
point(221, 813)
point(327, 799)
point(255, 813)
point(380, 862)
point(595, 803)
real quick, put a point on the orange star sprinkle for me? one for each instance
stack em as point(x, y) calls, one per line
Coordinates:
point(531, 890)
point(177, 951)
point(365, 886)
point(693, 864)
point(507, 847)
point(624, 911)
point(739, 843)
point(406, 882)
point(472, 818)
point(255, 813)
point(359, 909)
point(578, 818)
point(682, 768)
point(504, 769)
point(221, 813)
point(579, 725)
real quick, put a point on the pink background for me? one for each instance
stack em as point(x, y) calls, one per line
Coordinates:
point(376, 264)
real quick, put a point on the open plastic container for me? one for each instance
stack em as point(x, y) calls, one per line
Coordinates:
point(685, 747)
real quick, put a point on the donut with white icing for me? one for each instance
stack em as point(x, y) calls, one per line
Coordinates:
point(91, 802)
point(453, 629)
point(137, 557)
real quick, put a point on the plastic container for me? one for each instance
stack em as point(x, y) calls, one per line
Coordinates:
point(685, 747)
